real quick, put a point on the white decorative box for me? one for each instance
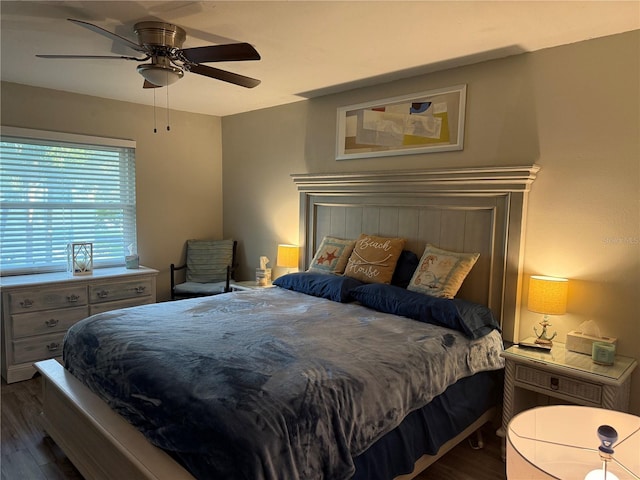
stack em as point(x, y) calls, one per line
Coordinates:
point(583, 343)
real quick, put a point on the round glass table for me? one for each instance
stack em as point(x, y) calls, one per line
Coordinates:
point(562, 442)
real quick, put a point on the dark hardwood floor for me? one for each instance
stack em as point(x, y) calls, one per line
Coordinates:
point(27, 453)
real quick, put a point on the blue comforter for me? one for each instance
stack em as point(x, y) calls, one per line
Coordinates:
point(268, 384)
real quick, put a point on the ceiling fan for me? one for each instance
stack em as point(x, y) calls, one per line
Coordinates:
point(162, 44)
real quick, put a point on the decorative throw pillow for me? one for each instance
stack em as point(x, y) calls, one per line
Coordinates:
point(441, 272)
point(332, 255)
point(374, 259)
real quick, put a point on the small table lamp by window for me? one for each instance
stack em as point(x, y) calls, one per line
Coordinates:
point(287, 256)
point(547, 295)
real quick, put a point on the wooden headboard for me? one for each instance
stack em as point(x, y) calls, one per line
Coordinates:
point(466, 210)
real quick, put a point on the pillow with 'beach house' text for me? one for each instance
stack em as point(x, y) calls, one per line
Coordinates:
point(374, 258)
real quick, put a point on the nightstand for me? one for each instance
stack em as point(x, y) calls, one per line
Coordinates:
point(247, 285)
point(565, 376)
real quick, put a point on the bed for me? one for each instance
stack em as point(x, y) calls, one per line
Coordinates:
point(467, 210)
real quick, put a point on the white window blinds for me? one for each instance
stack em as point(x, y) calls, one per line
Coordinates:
point(58, 188)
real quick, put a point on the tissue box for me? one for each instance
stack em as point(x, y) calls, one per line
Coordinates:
point(583, 343)
point(132, 261)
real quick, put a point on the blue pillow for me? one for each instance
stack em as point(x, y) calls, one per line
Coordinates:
point(472, 319)
point(325, 285)
point(477, 319)
point(407, 264)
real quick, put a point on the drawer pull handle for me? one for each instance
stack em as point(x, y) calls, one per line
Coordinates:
point(52, 322)
point(140, 289)
point(73, 298)
point(555, 383)
point(53, 347)
point(103, 293)
point(26, 303)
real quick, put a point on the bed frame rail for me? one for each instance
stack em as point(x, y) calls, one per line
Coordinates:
point(100, 443)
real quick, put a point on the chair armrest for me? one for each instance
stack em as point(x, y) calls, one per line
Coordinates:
point(174, 269)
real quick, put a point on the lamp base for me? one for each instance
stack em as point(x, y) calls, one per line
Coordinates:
point(600, 475)
point(542, 337)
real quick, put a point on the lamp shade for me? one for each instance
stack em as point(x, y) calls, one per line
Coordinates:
point(287, 256)
point(548, 295)
point(562, 442)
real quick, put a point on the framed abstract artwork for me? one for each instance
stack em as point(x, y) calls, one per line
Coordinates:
point(424, 122)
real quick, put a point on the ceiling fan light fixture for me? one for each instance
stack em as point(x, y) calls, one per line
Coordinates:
point(162, 43)
point(160, 75)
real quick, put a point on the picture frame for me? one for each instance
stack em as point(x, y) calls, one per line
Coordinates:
point(424, 122)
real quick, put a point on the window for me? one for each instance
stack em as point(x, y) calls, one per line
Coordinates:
point(59, 188)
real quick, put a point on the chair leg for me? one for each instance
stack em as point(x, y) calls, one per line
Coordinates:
point(173, 281)
point(227, 287)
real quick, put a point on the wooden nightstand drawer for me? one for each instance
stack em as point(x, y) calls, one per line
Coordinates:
point(120, 291)
point(36, 323)
point(45, 299)
point(554, 384)
point(37, 348)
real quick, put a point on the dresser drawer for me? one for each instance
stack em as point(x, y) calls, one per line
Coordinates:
point(32, 349)
point(120, 291)
point(105, 307)
point(46, 299)
point(552, 383)
point(46, 321)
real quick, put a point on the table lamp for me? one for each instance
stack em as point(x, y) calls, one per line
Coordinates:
point(287, 256)
point(571, 442)
point(547, 295)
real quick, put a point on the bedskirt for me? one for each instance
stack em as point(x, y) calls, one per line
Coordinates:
point(425, 430)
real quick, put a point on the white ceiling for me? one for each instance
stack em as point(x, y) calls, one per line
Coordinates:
point(308, 48)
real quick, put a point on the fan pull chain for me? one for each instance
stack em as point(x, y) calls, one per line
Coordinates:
point(168, 128)
point(155, 130)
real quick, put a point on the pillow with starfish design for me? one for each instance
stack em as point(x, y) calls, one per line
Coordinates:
point(332, 255)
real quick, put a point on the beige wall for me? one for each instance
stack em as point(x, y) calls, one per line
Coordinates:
point(178, 173)
point(574, 110)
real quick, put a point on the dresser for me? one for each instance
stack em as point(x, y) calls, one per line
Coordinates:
point(38, 309)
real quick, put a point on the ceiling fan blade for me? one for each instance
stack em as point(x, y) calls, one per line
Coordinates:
point(106, 33)
point(221, 53)
point(100, 57)
point(148, 84)
point(224, 76)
